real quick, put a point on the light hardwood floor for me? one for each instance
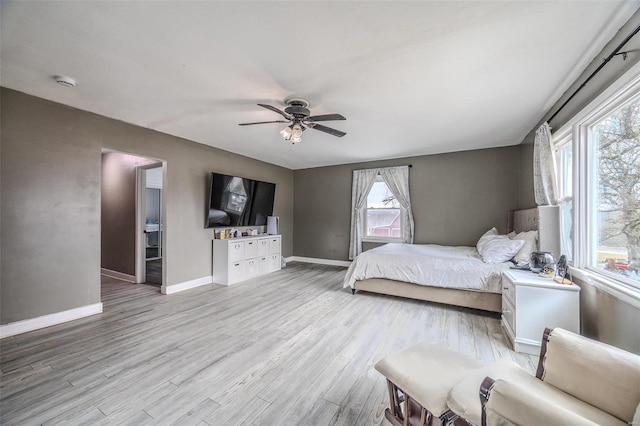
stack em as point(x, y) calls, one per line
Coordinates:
point(289, 348)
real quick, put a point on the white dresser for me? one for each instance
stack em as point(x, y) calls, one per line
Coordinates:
point(240, 259)
point(530, 303)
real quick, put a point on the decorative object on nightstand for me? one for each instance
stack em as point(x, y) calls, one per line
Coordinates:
point(562, 270)
point(531, 302)
point(540, 259)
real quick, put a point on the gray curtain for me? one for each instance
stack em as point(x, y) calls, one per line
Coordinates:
point(362, 183)
point(397, 179)
point(544, 178)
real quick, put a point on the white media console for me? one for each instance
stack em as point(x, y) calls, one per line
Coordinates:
point(240, 259)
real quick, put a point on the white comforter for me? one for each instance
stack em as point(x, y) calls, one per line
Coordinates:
point(428, 264)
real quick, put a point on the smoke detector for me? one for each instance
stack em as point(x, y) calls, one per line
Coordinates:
point(65, 81)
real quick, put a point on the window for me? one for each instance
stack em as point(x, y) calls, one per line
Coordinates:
point(564, 164)
point(381, 207)
point(383, 219)
point(614, 205)
point(598, 168)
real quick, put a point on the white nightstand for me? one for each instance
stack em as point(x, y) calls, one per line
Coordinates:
point(530, 303)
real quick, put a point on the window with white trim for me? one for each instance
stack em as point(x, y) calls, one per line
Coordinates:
point(564, 164)
point(383, 219)
point(614, 199)
point(598, 169)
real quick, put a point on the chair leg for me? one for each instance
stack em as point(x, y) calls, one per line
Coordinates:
point(394, 412)
point(394, 399)
point(401, 407)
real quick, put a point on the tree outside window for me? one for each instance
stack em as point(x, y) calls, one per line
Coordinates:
point(617, 182)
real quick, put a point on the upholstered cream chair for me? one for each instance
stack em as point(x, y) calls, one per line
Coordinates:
point(579, 381)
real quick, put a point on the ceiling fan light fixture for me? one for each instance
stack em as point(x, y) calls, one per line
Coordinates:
point(296, 131)
point(286, 133)
point(300, 119)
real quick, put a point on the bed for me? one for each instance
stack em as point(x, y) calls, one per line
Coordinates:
point(446, 274)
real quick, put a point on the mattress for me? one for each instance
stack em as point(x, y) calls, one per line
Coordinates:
point(429, 265)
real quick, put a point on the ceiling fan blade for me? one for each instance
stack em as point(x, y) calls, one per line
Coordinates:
point(326, 129)
point(274, 109)
point(262, 122)
point(325, 117)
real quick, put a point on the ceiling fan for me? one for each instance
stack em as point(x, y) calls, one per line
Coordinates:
point(299, 119)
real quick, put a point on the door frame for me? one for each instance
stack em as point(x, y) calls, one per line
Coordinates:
point(141, 218)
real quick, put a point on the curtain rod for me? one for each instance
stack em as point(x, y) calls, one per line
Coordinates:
point(369, 168)
point(605, 61)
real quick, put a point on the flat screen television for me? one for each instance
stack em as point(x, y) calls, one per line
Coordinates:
point(238, 201)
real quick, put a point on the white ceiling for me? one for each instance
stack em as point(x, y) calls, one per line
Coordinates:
point(412, 78)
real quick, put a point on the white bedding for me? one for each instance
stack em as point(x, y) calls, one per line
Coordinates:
point(428, 264)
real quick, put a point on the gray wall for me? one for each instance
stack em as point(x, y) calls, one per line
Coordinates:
point(603, 316)
point(526, 198)
point(50, 219)
point(456, 197)
point(118, 211)
point(606, 318)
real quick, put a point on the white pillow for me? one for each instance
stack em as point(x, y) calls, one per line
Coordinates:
point(500, 249)
point(490, 234)
point(530, 239)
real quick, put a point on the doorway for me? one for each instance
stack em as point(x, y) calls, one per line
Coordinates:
point(131, 234)
point(153, 225)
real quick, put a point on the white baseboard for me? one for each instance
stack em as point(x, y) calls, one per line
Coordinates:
point(119, 275)
point(527, 346)
point(31, 324)
point(318, 261)
point(170, 289)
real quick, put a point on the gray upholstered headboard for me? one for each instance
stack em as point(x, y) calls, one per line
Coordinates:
point(544, 219)
point(523, 220)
